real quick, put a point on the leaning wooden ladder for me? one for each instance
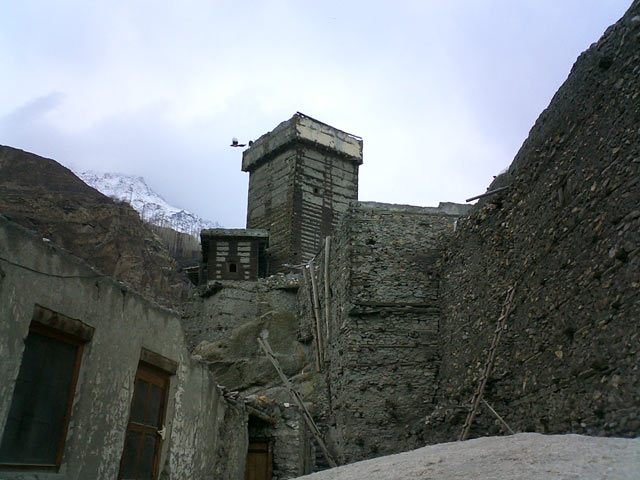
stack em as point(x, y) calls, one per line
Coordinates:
point(266, 348)
point(477, 396)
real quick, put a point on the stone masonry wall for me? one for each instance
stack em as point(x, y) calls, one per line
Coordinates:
point(221, 306)
point(567, 233)
point(289, 438)
point(270, 205)
point(324, 186)
point(302, 176)
point(382, 353)
point(223, 322)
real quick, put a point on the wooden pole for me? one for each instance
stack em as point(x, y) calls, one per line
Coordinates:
point(500, 419)
point(477, 396)
point(316, 306)
point(314, 322)
point(486, 194)
point(266, 348)
point(327, 290)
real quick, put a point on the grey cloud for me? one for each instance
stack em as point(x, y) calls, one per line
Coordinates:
point(34, 109)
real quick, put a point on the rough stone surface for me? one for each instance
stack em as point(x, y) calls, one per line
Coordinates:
point(220, 306)
point(567, 233)
point(302, 177)
point(414, 296)
point(381, 347)
point(222, 325)
point(526, 456)
point(229, 459)
point(289, 436)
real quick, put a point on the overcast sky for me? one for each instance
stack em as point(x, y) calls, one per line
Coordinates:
point(442, 92)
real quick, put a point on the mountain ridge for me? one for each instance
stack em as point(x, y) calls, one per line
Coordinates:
point(152, 208)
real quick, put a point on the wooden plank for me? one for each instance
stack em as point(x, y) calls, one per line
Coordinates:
point(504, 424)
point(477, 396)
point(486, 194)
point(327, 291)
point(266, 348)
point(259, 414)
point(316, 307)
point(314, 327)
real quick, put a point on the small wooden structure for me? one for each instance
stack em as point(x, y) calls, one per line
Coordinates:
point(233, 254)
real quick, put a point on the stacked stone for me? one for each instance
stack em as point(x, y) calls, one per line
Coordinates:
point(303, 174)
point(568, 233)
point(222, 306)
point(382, 347)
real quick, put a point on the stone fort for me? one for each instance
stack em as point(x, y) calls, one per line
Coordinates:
point(396, 326)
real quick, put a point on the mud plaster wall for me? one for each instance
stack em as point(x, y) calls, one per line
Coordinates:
point(381, 349)
point(124, 323)
point(568, 233)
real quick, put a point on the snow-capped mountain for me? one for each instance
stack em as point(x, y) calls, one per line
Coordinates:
point(151, 206)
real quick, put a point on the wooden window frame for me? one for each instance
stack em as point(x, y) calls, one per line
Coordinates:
point(46, 331)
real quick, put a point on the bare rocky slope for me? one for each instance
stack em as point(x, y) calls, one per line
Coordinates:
point(566, 235)
point(42, 195)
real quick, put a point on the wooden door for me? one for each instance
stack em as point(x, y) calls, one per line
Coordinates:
point(259, 460)
point(145, 428)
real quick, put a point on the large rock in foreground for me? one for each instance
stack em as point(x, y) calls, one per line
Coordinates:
point(529, 456)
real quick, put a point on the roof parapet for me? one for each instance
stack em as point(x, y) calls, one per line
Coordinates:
point(235, 232)
point(302, 128)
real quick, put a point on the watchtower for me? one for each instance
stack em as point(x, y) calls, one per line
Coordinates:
point(302, 176)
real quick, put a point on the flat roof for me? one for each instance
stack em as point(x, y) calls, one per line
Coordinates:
point(234, 232)
point(301, 127)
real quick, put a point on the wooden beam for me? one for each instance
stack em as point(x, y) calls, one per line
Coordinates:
point(477, 396)
point(327, 290)
point(316, 307)
point(261, 415)
point(266, 348)
point(314, 328)
point(486, 194)
point(500, 419)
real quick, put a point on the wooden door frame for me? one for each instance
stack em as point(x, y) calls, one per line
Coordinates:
point(149, 373)
point(269, 442)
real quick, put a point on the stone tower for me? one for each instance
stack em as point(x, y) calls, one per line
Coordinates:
point(302, 176)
